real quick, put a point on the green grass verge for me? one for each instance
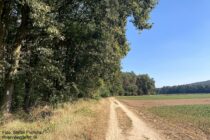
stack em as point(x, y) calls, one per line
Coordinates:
point(196, 115)
point(165, 97)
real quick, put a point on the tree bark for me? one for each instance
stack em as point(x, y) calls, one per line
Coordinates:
point(9, 82)
point(8, 97)
point(15, 58)
point(5, 8)
point(28, 86)
point(27, 93)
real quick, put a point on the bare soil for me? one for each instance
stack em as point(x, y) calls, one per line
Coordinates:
point(170, 130)
point(152, 103)
point(125, 123)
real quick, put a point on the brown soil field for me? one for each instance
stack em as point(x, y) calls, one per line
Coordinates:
point(152, 103)
point(168, 129)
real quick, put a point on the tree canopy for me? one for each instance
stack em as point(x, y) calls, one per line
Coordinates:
point(57, 50)
point(137, 84)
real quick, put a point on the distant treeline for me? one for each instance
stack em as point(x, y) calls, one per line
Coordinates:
point(134, 85)
point(191, 88)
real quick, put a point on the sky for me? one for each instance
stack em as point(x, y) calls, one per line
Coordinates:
point(177, 49)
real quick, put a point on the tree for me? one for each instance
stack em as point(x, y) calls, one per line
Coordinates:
point(129, 83)
point(190, 88)
point(57, 50)
point(146, 85)
point(137, 84)
point(16, 18)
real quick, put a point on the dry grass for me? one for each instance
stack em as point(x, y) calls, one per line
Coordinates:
point(125, 123)
point(83, 120)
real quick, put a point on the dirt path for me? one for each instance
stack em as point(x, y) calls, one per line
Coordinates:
point(139, 131)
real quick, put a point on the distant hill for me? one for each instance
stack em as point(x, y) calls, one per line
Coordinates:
point(198, 87)
point(204, 83)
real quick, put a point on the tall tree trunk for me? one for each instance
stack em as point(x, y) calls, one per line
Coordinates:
point(28, 86)
point(4, 12)
point(15, 58)
point(9, 82)
point(8, 98)
point(67, 64)
point(27, 93)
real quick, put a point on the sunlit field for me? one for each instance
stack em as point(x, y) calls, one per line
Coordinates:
point(179, 116)
point(162, 97)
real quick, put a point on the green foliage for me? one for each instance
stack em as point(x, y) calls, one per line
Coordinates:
point(104, 90)
point(146, 85)
point(129, 83)
point(60, 50)
point(137, 84)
